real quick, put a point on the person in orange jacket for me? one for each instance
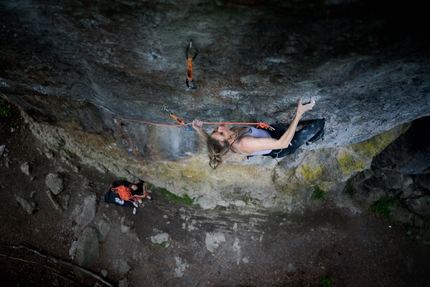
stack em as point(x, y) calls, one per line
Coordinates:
point(125, 193)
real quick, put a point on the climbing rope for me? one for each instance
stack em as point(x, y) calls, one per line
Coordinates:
point(181, 123)
point(259, 124)
point(136, 151)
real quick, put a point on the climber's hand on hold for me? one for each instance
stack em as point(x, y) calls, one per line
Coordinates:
point(197, 125)
point(303, 108)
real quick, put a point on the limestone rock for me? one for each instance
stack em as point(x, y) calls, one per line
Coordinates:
point(85, 214)
point(54, 201)
point(213, 240)
point(207, 202)
point(181, 265)
point(122, 267)
point(29, 206)
point(72, 250)
point(123, 283)
point(125, 225)
point(410, 153)
point(423, 180)
point(87, 248)
point(419, 205)
point(25, 168)
point(291, 270)
point(55, 182)
point(161, 238)
point(104, 227)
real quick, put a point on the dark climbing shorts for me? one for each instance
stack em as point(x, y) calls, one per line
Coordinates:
point(309, 134)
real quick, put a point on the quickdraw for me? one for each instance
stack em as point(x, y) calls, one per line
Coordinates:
point(190, 54)
point(179, 120)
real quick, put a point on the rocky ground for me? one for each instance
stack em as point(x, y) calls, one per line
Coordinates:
point(74, 238)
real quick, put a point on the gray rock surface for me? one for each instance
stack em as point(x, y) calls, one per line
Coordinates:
point(419, 205)
point(104, 227)
point(54, 201)
point(55, 182)
point(213, 240)
point(123, 283)
point(122, 267)
point(29, 206)
point(85, 213)
point(87, 248)
point(181, 265)
point(161, 238)
point(25, 168)
point(410, 153)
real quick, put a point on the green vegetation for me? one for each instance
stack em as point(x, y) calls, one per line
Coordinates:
point(185, 199)
point(4, 109)
point(70, 153)
point(318, 193)
point(349, 188)
point(161, 245)
point(122, 178)
point(326, 282)
point(382, 207)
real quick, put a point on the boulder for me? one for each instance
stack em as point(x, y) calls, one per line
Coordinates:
point(87, 248)
point(55, 182)
point(419, 205)
point(29, 206)
point(25, 168)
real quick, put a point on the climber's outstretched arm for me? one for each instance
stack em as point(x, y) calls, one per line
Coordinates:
point(198, 126)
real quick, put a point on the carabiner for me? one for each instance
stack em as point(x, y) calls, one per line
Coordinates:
point(191, 84)
point(178, 119)
point(190, 51)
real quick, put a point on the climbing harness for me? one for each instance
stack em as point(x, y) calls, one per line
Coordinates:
point(190, 54)
point(176, 118)
point(264, 126)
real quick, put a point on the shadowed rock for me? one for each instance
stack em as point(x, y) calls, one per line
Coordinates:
point(87, 248)
point(55, 182)
point(29, 206)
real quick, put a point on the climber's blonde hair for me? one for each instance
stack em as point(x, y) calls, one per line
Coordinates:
point(216, 151)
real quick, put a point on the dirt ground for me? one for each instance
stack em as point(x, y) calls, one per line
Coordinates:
point(323, 246)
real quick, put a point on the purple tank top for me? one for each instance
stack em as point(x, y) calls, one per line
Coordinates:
point(256, 133)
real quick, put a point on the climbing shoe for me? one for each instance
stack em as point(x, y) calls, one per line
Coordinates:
point(316, 137)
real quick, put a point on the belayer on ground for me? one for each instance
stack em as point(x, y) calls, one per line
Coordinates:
point(125, 193)
point(277, 141)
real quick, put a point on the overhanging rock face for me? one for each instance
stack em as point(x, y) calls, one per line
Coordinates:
point(74, 67)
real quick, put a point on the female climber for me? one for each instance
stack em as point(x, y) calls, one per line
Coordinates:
point(252, 141)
